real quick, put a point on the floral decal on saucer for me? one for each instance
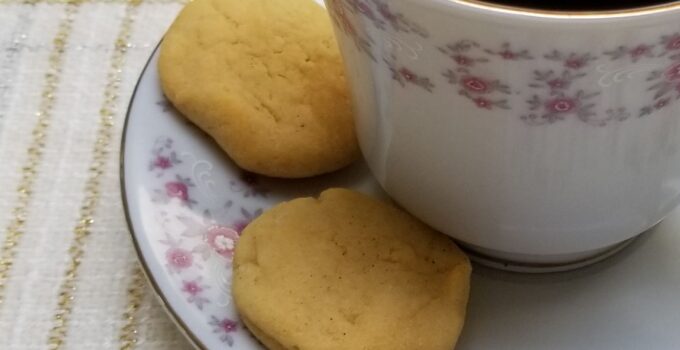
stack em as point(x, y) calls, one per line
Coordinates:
point(197, 239)
point(164, 157)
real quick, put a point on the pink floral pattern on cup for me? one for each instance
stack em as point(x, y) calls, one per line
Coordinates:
point(405, 76)
point(379, 13)
point(339, 13)
point(506, 52)
point(560, 89)
point(398, 22)
point(559, 106)
point(557, 94)
point(670, 42)
point(635, 53)
point(663, 83)
point(467, 56)
point(572, 60)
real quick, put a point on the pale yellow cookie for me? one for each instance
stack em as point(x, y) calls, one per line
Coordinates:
point(346, 271)
point(264, 78)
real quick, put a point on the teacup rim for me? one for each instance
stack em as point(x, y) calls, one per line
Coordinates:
point(488, 6)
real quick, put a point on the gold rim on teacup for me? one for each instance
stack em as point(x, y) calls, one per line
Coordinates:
point(517, 10)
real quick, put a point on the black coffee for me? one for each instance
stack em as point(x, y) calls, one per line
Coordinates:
point(580, 5)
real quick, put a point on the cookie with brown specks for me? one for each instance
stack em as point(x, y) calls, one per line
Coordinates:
point(264, 78)
point(346, 271)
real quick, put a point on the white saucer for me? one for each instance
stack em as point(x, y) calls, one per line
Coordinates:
point(185, 201)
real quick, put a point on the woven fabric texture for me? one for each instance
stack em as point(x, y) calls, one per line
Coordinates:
point(69, 277)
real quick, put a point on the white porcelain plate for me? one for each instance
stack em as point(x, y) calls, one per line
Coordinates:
point(186, 204)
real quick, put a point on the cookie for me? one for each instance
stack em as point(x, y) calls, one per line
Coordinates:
point(346, 271)
point(264, 78)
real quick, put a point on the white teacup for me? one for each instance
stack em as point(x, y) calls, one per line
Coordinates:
point(531, 136)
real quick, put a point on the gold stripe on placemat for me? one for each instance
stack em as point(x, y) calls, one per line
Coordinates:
point(29, 169)
point(92, 191)
point(135, 295)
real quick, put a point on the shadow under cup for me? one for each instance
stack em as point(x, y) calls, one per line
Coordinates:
point(533, 137)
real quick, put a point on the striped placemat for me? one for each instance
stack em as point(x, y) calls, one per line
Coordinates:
point(69, 277)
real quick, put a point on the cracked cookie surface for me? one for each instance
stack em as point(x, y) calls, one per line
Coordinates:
point(346, 271)
point(264, 78)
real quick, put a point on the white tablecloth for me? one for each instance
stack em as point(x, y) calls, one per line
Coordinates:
point(69, 277)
